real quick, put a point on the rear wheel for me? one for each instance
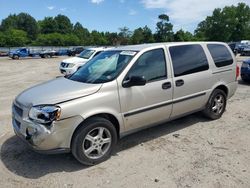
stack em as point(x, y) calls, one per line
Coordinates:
point(216, 104)
point(94, 141)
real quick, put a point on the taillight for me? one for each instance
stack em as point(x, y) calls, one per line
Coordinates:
point(237, 72)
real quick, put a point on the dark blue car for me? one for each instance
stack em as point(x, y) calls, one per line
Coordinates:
point(245, 70)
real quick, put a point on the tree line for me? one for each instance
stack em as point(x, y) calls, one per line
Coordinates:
point(232, 23)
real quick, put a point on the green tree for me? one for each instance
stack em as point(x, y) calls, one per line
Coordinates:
point(63, 23)
point(228, 24)
point(14, 37)
point(112, 38)
point(82, 34)
point(2, 39)
point(98, 38)
point(28, 24)
point(142, 35)
point(137, 37)
point(22, 21)
point(241, 22)
point(48, 25)
point(148, 36)
point(181, 35)
point(164, 29)
point(51, 39)
point(71, 40)
point(9, 23)
point(124, 35)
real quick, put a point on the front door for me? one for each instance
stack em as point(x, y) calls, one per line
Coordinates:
point(151, 103)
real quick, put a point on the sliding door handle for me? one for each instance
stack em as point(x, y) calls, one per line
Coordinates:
point(179, 83)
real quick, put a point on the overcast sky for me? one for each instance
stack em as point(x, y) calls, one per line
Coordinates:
point(109, 15)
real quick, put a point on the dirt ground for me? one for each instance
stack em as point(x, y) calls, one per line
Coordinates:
point(188, 152)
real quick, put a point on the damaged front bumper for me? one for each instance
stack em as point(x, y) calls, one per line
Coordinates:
point(53, 138)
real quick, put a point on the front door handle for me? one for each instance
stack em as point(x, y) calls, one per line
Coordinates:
point(179, 83)
point(166, 85)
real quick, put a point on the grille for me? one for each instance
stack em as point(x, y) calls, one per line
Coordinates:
point(64, 65)
point(18, 110)
point(17, 123)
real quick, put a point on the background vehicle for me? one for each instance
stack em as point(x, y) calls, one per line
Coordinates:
point(75, 51)
point(47, 53)
point(3, 53)
point(71, 65)
point(22, 52)
point(245, 51)
point(26, 52)
point(234, 47)
point(61, 52)
point(245, 70)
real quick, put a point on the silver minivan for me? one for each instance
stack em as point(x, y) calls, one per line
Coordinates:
point(124, 90)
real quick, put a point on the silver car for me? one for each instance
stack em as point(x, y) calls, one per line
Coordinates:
point(124, 90)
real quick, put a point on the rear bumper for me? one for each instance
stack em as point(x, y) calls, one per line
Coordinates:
point(232, 87)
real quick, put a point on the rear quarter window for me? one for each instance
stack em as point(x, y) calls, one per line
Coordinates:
point(188, 59)
point(220, 54)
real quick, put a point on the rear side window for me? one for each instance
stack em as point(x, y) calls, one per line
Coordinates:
point(220, 54)
point(188, 59)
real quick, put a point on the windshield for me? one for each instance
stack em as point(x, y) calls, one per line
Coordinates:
point(104, 67)
point(86, 54)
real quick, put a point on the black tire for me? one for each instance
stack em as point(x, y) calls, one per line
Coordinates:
point(15, 57)
point(210, 111)
point(46, 55)
point(245, 80)
point(79, 140)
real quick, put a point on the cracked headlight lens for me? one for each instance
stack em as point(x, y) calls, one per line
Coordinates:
point(45, 114)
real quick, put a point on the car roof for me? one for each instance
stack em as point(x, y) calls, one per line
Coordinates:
point(145, 46)
point(99, 48)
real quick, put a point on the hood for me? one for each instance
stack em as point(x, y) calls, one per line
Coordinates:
point(14, 51)
point(56, 91)
point(75, 60)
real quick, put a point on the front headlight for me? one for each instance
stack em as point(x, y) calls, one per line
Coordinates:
point(70, 65)
point(45, 114)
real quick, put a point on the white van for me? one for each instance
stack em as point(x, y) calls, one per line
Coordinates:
point(71, 65)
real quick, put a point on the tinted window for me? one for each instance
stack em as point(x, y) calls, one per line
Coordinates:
point(220, 54)
point(188, 59)
point(151, 65)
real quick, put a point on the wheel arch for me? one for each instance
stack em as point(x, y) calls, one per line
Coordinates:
point(222, 87)
point(107, 116)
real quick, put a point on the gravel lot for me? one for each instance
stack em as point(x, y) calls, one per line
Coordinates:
point(188, 152)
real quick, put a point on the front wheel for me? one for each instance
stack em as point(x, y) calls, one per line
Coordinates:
point(15, 57)
point(94, 141)
point(216, 105)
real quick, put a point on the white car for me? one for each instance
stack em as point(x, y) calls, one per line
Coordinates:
point(71, 65)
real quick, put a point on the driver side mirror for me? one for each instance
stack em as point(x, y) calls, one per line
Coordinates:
point(134, 81)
